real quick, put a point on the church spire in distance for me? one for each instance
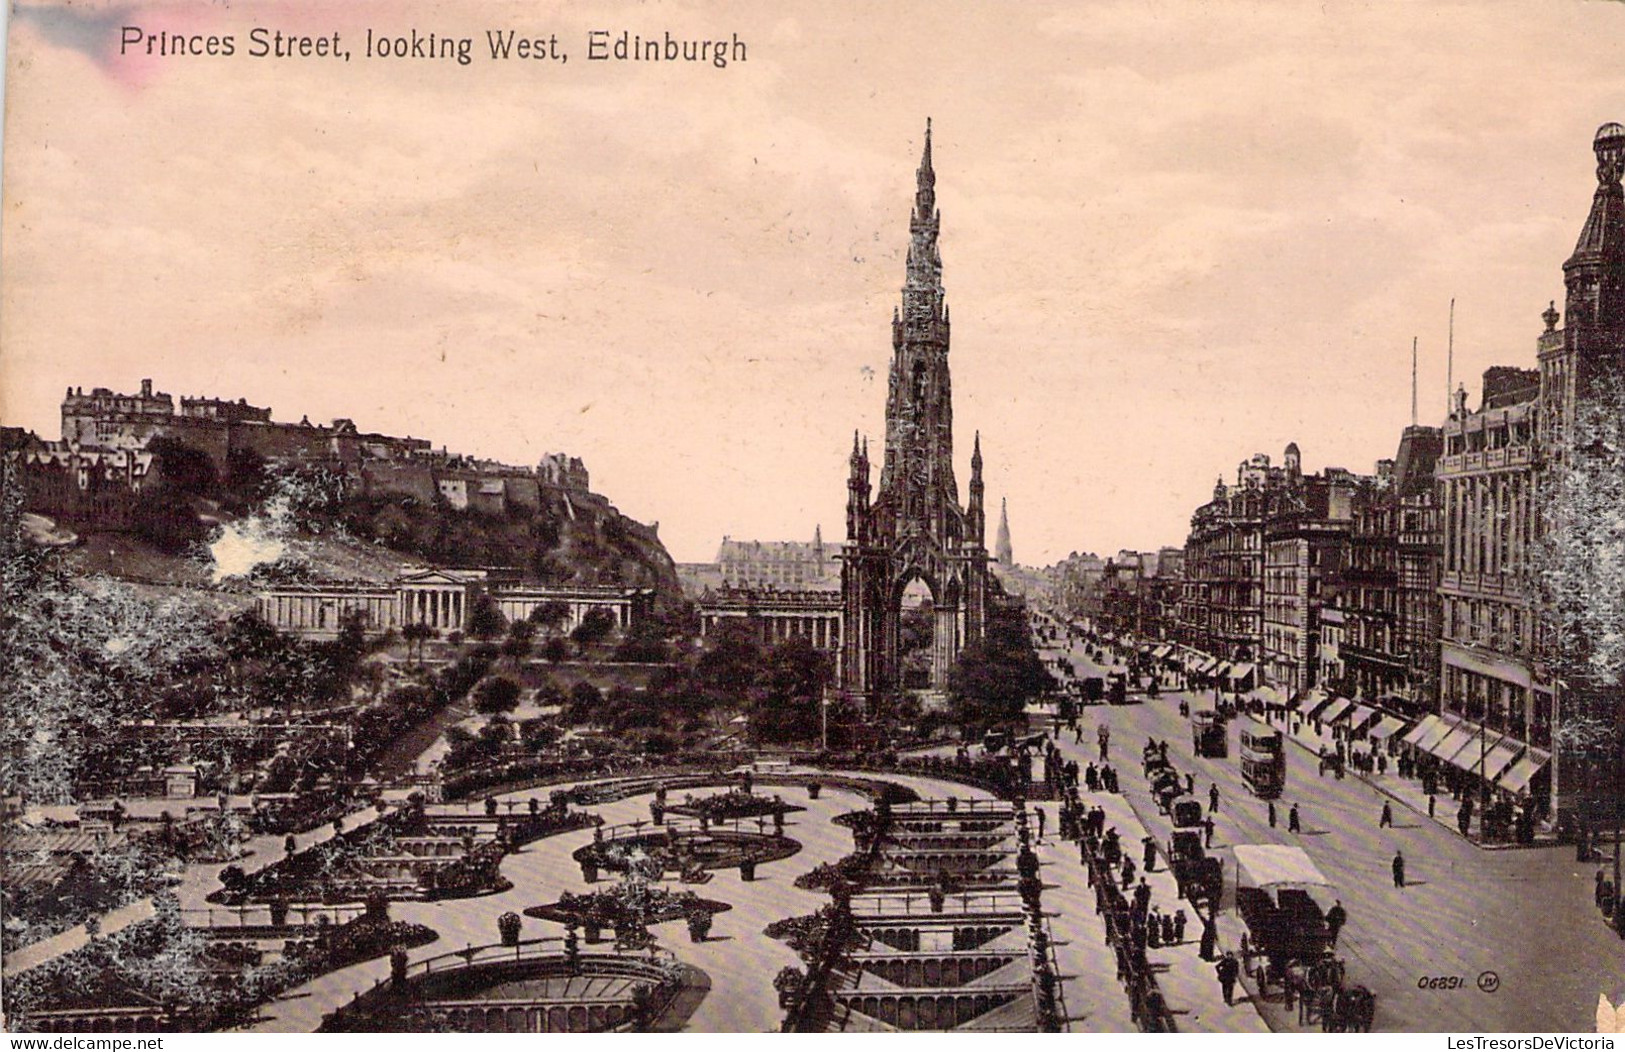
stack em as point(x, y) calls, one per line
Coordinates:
point(1001, 549)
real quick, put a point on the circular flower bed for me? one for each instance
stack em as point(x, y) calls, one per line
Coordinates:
point(625, 905)
point(656, 854)
point(732, 805)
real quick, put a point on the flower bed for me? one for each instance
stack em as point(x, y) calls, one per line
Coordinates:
point(731, 806)
point(627, 904)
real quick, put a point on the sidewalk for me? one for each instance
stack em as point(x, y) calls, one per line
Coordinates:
point(1091, 1001)
point(1189, 985)
point(1407, 791)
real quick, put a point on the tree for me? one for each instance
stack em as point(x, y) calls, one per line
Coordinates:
point(164, 518)
point(550, 614)
point(643, 645)
point(248, 477)
point(499, 694)
point(183, 467)
point(787, 691)
point(994, 679)
point(595, 626)
point(1580, 563)
point(555, 650)
point(585, 701)
point(485, 621)
point(517, 646)
point(416, 634)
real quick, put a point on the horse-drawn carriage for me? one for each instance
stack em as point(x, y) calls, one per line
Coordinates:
point(1276, 895)
point(1198, 875)
point(1166, 787)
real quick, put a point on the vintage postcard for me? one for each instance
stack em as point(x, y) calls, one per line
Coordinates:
point(813, 517)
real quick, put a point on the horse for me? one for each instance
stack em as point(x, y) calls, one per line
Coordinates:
point(1356, 1007)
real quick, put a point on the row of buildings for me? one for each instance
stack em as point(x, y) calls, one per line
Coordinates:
point(1422, 586)
point(91, 477)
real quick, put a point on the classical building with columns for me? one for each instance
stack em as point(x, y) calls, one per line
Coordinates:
point(439, 598)
point(776, 616)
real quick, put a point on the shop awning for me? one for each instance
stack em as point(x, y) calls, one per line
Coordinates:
point(1387, 727)
point(1162, 651)
point(1495, 762)
point(1478, 748)
point(1426, 733)
point(1518, 777)
point(1360, 716)
point(1337, 707)
point(1314, 706)
point(1241, 670)
point(1220, 670)
point(1269, 695)
point(1452, 743)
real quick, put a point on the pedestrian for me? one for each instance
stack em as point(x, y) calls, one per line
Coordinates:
point(1179, 926)
point(1228, 969)
point(1207, 831)
point(1168, 933)
point(1190, 784)
point(1041, 821)
point(1293, 825)
point(1213, 797)
point(1336, 917)
point(1128, 872)
point(1210, 939)
point(1399, 869)
point(1150, 845)
point(1272, 814)
point(1387, 819)
point(1433, 803)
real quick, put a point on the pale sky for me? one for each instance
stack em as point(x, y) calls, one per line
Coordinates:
point(1174, 234)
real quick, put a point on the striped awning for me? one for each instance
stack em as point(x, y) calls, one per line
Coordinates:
point(1337, 707)
point(1241, 670)
point(1387, 727)
point(1428, 732)
point(1517, 778)
point(1496, 760)
point(1477, 748)
point(1452, 743)
point(1360, 716)
point(1308, 699)
point(1314, 706)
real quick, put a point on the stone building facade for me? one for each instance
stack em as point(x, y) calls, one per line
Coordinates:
point(442, 599)
point(776, 616)
point(785, 565)
point(1306, 536)
point(1221, 607)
